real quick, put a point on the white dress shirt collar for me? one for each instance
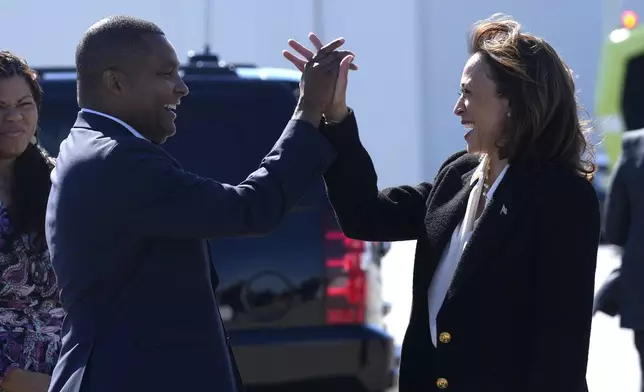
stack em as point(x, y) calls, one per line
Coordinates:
point(128, 127)
point(490, 192)
point(479, 171)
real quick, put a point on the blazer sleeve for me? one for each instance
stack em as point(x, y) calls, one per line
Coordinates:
point(568, 239)
point(617, 208)
point(363, 211)
point(160, 199)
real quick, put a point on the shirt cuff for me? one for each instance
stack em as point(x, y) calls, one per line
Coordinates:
point(329, 122)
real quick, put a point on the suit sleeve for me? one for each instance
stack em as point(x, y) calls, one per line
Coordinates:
point(617, 208)
point(568, 240)
point(363, 211)
point(161, 200)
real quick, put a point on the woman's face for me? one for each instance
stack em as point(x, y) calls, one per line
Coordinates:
point(18, 116)
point(482, 111)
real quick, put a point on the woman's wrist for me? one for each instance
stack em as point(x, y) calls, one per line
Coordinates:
point(336, 114)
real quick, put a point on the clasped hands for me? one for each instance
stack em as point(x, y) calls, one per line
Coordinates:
point(324, 76)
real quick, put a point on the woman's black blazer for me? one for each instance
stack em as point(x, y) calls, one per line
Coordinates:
point(517, 315)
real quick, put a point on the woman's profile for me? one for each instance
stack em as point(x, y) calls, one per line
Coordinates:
point(507, 232)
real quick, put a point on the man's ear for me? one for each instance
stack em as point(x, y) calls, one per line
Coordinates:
point(114, 81)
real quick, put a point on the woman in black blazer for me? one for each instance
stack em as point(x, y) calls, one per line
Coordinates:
point(507, 232)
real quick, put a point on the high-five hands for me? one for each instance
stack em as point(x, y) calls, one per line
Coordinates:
point(328, 66)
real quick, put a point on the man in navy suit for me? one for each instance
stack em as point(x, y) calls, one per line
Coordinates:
point(126, 225)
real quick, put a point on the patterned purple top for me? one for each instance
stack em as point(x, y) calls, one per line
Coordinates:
point(30, 311)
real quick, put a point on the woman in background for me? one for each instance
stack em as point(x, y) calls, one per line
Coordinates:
point(507, 233)
point(30, 311)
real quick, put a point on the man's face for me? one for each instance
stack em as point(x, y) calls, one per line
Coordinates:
point(153, 87)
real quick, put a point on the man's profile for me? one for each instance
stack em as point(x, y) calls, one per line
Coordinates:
point(126, 225)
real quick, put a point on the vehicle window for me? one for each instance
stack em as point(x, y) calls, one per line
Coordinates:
point(232, 125)
point(224, 129)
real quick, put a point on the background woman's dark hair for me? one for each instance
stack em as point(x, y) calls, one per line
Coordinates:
point(544, 127)
point(32, 183)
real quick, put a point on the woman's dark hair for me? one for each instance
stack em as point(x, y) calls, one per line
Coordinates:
point(544, 127)
point(31, 181)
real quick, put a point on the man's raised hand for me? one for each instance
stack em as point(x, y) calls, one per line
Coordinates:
point(337, 109)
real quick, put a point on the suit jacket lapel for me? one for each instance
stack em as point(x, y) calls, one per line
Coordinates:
point(493, 229)
point(445, 211)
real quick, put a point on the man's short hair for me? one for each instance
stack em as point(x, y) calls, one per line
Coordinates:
point(110, 42)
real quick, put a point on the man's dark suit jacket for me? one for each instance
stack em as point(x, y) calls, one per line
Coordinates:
point(624, 226)
point(126, 226)
point(518, 312)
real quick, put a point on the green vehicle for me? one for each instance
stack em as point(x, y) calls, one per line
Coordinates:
point(619, 103)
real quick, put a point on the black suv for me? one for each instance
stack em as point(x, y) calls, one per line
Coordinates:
point(303, 306)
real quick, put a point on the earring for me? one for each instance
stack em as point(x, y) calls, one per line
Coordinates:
point(34, 138)
point(508, 115)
